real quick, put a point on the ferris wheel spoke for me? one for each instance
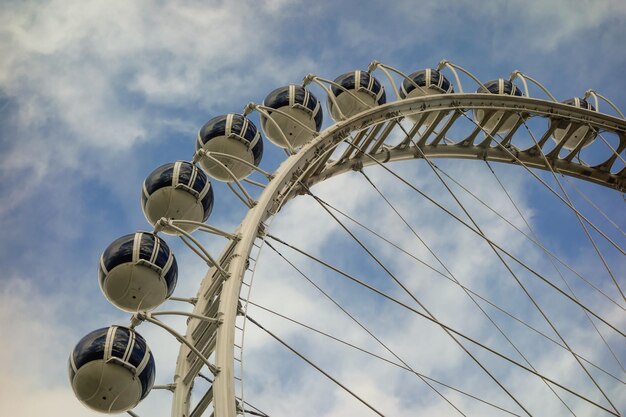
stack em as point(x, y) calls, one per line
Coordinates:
point(465, 288)
point(552, 190)
point(580, 217)
point(554, 265)
point(514, 275)
point(440, 324)
point(444, 275)
point(382, 359)
point(362, 326)
point(533, 239)
point(594, 205)
point(385, 239)
point(412, 296)
point(518, 281)
point(309, 362)
point(452, 276)
point(497, 246)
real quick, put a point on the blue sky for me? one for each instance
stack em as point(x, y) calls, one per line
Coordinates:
point(95, 95)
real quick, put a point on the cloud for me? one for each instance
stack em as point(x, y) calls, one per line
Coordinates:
point(562, 21)
point(543, 26)
point(35, 352)
point(78, 80)
point(93, 96)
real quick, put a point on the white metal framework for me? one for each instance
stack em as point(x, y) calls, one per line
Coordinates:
point(363, 140)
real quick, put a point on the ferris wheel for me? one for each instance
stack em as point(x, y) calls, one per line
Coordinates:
point(431, 119)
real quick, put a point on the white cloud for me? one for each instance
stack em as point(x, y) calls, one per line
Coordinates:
point(89, 89)
point(34, 352)
point(81, 76)
point(531, 25)
point(551, 24)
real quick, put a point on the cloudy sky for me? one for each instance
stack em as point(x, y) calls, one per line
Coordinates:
point(94, 95)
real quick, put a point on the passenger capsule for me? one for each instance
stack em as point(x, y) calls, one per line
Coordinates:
point(502, 87)
point(299, 103)
point(579, 133)
point(111, 369)
point(234, 135)
point(426, 82)
point(180, 191)
point(363, 92)
point(137, 272)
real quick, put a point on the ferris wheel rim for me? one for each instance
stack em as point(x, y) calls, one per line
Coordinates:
point(284, 186)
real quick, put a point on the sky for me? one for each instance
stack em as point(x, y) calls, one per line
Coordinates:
point(95, 95)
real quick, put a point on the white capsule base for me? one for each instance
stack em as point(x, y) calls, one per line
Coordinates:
point(349, 105)
point(479, 116)
point(106, 387)
point(574, 140)
point(296, 135)
point(132, 287)
point(230, 146)
point(423, 92)
point(174, 203)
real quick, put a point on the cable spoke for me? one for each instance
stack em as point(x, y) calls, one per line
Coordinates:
point(514, 275)
point(579, 217)
point(522, 164)
point(571, 290)
point(401, 366)
point(446, 327)
point(510, 255)
point(474, 293)
point(410, 294)
point(594, 205)
point(304, 358)
point(355, 320)
point(465, 291)
point(532, 239)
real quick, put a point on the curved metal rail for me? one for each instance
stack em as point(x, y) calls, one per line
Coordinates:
point(218, 296)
